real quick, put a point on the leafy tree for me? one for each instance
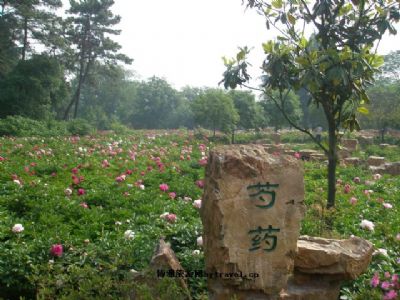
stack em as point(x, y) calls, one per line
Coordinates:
point(33, 89)
point(384, 107)
point(89, 30)
point(32, 21)
point(391, 68)
point(251, 113)
point(335, 64)
point(214, 109)
point(155, 105)
point(292, 109)
point(8, 50)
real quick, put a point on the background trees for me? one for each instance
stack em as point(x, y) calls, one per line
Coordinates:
point(214, 109)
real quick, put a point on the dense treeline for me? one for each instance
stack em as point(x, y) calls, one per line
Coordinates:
point(79, 72)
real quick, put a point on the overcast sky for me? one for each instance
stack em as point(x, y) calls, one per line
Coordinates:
point(184, 40)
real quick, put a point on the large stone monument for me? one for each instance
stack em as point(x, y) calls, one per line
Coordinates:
point(252, 207)
point(253, 203)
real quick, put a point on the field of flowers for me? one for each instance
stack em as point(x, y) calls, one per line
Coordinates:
point(79, 214)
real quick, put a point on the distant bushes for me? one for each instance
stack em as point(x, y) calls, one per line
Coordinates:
point(21, 126)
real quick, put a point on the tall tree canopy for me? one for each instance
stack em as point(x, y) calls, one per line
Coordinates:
point(335, 64)
point(89, 28)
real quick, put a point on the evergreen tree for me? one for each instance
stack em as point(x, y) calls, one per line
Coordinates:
point(89, 27)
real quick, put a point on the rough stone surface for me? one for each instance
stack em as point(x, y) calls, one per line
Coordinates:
point(344, 153)
point(343, 259)
point(311, 288)
point(229, 212)
point(164, 259)
point(355, 161)
point(276, 138)
point(350, 144)
point(366, 140)
point(392, 168)
point(375, 160)
point(307, 153)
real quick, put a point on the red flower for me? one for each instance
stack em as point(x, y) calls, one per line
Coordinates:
point(56, 250)
point(164, 187)
point(200, 183)
point(81, 192)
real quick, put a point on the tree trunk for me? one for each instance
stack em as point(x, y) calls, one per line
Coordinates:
point(25, 42)
point(233, 137)
point(332, 163)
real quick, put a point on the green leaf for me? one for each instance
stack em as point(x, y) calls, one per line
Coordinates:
point(291, 19)
point(363, 110)
point(268, 47)
point(303, 43)
point(277, 3)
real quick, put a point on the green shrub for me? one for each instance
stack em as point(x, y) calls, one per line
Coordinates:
point(79, 127)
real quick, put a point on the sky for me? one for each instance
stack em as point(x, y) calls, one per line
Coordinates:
point(184, 41)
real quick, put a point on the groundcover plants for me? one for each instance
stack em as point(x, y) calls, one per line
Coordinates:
point(78, 215)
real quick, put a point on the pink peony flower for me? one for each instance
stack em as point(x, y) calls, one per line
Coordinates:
point(56, 250)
point(387, 205)
point(197, 203)
point(105, 163)
point(392, 294)
point(164, 187)
point(120, 178)
point(200, 183)
point(84, 205)
point(2, 158)
point(395, 278)
point(81, 192)
point(172, 195)
point(347, 188)
point(75, 171)
point(356, 180)
point(387, 275)
point(386, 285)
point(375, 280)
point(297, 155)
point(171, 218)
point(203, 161)
point(353, 200)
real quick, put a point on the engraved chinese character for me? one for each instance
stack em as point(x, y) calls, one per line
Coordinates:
point(262, 190)
point(264, 235)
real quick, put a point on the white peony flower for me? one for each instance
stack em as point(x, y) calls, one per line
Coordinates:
point(200, 241)
point(129, 235)
point(365, 224)
point(17, 228)
point(196, 252)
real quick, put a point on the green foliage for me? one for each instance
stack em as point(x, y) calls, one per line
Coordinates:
point(79, 127)
point(214, 109)
point(274, 114)
point(157, 105)
point(25, 127)
point(384, 106)
point(251, 114)
point(33, 88)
